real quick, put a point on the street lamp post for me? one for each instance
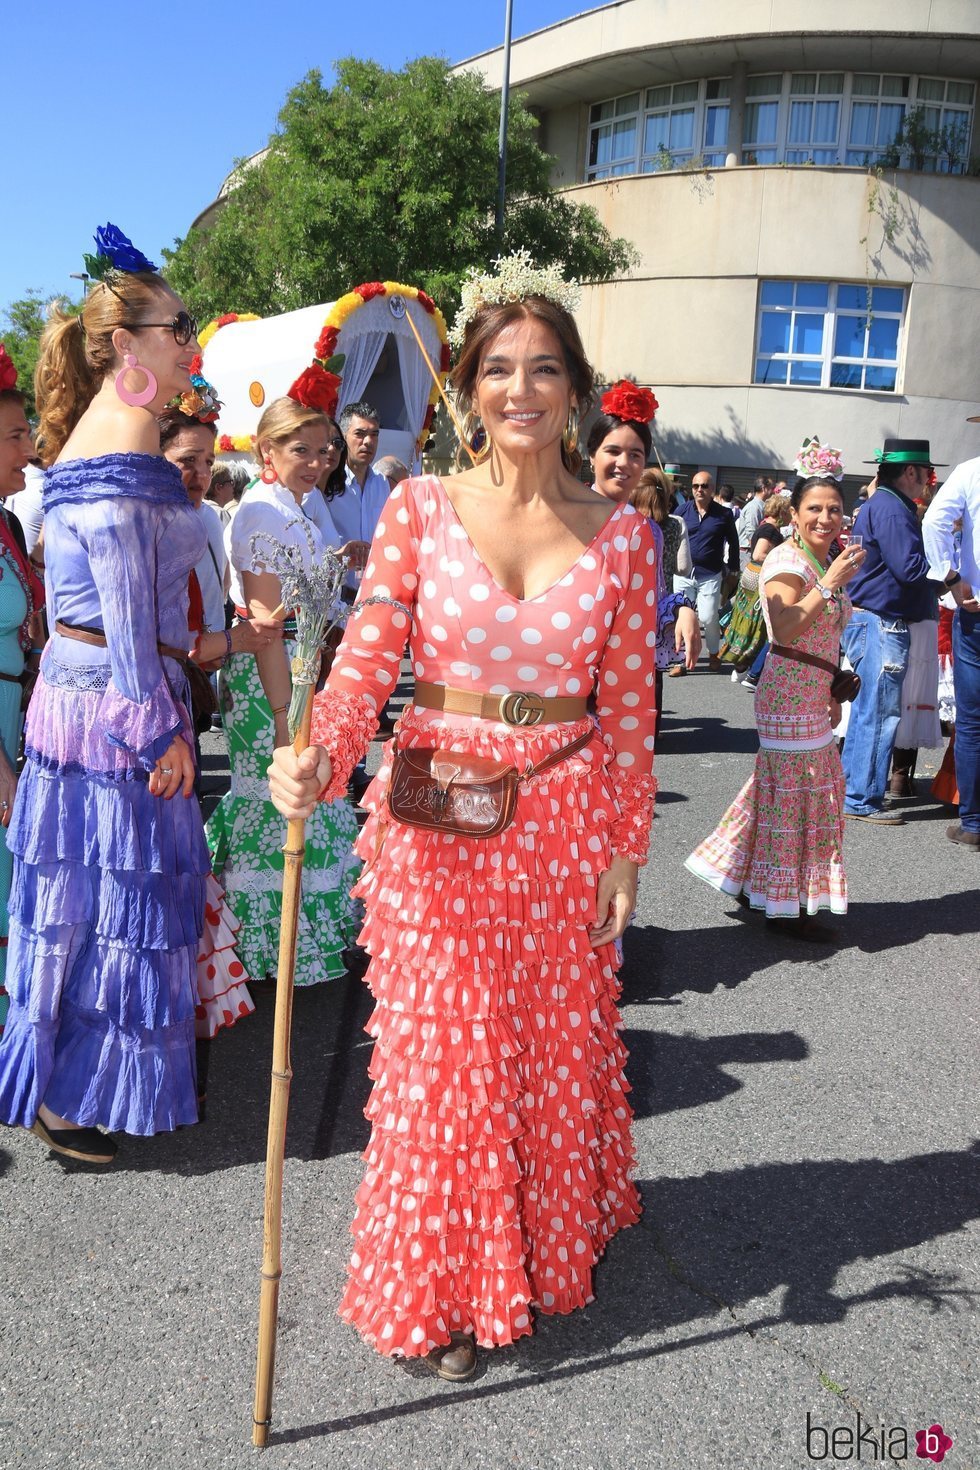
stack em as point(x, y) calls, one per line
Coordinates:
point(502, 139)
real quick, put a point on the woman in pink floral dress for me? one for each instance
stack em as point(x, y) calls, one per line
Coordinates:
point(779, 846)
point(500, 1159)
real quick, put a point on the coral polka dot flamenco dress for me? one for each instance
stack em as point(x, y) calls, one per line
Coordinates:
point(500, 1158)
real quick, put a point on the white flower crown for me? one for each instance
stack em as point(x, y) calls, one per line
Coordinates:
point(516, 278)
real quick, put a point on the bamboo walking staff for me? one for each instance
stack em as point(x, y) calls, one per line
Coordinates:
point(282, 1073)
point(310, 585)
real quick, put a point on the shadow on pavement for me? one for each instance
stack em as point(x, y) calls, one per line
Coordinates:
point(668, 1073)
point(709, 1245)
point(709, 736)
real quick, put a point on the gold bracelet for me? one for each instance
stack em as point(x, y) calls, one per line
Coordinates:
point(280, 709)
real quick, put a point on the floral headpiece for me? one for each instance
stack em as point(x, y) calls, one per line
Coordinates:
point(8, 372)
point(199, 401)
point(815, 458)
point(316, 388)
point(516, 278)
point(627, 400)
point(115, 252)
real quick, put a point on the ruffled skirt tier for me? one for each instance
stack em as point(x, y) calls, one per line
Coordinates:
point(106, 914)
point(500, 1157)
point(781, 840)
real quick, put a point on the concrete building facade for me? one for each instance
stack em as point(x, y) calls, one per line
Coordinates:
point(801, 183)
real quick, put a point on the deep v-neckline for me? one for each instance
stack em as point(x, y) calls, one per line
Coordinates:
point(496, 582)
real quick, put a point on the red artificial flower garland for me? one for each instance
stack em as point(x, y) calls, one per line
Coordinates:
point(628, 401)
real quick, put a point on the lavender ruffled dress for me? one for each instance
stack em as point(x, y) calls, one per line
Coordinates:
point(107, 896)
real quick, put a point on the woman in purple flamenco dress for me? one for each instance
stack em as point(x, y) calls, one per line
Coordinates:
point(110, 862)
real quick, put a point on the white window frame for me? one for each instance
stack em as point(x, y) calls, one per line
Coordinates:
point(599, 172)
point(826, 357)
point(781, 146)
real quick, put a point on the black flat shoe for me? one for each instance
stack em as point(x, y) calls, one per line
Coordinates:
point(86, 1144)
point(454, 1362)
point(803, 928)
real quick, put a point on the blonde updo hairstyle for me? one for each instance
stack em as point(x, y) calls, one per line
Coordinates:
point(283, 418)
point(777, 508)
point(487, 324)
point(77, 352)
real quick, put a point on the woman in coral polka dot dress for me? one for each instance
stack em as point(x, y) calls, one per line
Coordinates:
point(500, 1159)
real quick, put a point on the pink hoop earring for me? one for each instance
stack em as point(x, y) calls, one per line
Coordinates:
point(135, 400)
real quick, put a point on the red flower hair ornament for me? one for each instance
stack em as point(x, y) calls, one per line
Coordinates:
point(316, 388)
point(626, 400)
point(8, 372)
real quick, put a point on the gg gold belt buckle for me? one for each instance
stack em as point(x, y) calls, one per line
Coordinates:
point(521, 708)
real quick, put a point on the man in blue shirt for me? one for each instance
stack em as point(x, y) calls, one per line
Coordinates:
point(891, 590)
point(711, 530)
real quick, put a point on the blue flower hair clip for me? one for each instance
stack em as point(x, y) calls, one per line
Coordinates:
point(115, 252)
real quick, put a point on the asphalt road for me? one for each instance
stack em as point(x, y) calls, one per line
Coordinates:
point(806, 1125)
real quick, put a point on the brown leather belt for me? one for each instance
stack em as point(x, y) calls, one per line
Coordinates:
point(97, 638)
point(516, 707)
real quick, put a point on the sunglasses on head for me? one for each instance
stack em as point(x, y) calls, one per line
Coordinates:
point(183, 326)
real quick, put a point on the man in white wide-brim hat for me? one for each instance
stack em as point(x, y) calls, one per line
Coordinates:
point(959, 499)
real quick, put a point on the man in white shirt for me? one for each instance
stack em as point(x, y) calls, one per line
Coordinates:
point(959, 500)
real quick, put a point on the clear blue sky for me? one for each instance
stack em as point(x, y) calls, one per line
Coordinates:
point(114, 114)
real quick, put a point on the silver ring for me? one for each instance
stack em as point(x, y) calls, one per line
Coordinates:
point(166, 770)
point(4, 805)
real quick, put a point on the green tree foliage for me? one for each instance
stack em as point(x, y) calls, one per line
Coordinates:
point(385, 176)
point(20, 332)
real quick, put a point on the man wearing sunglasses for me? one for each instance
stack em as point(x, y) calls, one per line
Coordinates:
point(712, 533)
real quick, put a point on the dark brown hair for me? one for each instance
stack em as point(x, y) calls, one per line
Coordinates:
point(491, 320)
point(172, 422)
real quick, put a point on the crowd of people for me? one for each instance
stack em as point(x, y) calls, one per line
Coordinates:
point(541, 603)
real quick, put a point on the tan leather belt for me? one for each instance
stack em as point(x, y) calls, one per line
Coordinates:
point(97, 639)
point(516, 707)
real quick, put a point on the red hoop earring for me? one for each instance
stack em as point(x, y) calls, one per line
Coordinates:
point(268, 476)
point(135, 400)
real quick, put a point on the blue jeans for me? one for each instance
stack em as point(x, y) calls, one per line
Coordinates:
point(878, 649)
point(704, 591)
point(755, 672)
point(966, 682)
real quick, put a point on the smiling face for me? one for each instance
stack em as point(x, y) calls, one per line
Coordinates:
point(299, 460)
point(156, 348)
point(619, 463)
point(15, 445)
point(192, 451)
point(523, 392)
point(819, 517)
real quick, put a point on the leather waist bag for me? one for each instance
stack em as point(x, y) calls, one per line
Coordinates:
point(844, 684)
point(466, 795)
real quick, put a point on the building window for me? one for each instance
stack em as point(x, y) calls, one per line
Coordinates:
point(947, 113)
point(760, 139)
point(662, 128)
point(613, 137)
point(878, 108)
point(825, 334)
point(858, 118)
point(815, 103)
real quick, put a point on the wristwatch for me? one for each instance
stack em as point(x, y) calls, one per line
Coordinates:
point(825, 592)
point(952, 580)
